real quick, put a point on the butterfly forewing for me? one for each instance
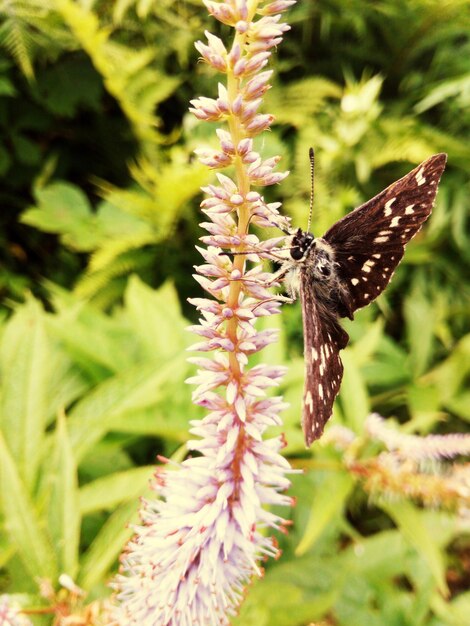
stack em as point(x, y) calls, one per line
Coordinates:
point(323, 339)
point(370, 241)
point(347, 269)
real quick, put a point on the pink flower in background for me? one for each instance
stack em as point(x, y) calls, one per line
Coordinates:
point(204, 537)
point(10, 613)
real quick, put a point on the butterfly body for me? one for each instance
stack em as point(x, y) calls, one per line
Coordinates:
point(347, 269)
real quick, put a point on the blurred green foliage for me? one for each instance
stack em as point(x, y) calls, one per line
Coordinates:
point(100, 210)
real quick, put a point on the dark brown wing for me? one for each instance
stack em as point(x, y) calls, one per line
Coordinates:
point(323, 339)
point(370, 241)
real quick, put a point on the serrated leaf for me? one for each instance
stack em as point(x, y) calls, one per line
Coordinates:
point(107, 545)
point(24, 370)
point(93, 340)
point(64, 209)
point(63, 500)
point(26, 530)
point(410, 522)
point(156, 317)
point(109, 491)
point(93, 416)
point(67, 382)
point(328, 500)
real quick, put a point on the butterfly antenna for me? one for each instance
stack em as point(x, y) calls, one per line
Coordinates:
point(311, 155)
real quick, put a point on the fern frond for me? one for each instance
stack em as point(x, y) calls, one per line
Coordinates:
point(114, 248)
point(30, 26)
point(295, 104)
point(15, 35)
point(127, 73)
point(93, 284)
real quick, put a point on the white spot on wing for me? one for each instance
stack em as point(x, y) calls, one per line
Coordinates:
point(387, 209)
point(395, 221)
point(409, 209)
point(420, 179)
point(367, 266)
point(320, 391)
point(380, 239)
point(376, 256)
point(314, 354)
point(309, 400)
point(354, 281)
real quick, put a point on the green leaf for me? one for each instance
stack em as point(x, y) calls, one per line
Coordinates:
point(26, 530)
point(24, 369)
point(64, 209)
point(27, 152)
point(389, 367)
point(353, 394)
point(378, 557)
point(410, 521)
point(453, 613)
point(93, 416)
point(63, 500)
point(7, 88)
point(108, 492)
point(328, 500)
point(425, 407)
point(69, 84)
point(93, 340)
point(364, 347)
point(5, 160)
point(67, 382)
point(107, 545)
point(156, 318)
point(293, 593)
point(450, 375)
point(420, 318)
point(460, 405)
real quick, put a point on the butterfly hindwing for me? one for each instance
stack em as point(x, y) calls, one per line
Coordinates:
point(323, 339)
point(370, 241)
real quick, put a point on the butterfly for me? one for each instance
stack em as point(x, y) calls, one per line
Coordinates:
point(347, 269)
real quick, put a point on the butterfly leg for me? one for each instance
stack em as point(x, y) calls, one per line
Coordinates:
point(279, 276)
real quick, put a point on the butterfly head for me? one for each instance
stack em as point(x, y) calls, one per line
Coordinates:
point(301, 244)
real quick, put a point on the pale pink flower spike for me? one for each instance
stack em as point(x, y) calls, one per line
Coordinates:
point(202, 540)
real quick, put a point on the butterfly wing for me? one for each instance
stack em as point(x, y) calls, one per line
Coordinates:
point(323, 339)
point(370, 241)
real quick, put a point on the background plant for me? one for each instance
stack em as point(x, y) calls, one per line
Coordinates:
point(98, 183)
